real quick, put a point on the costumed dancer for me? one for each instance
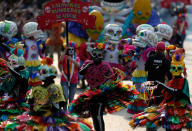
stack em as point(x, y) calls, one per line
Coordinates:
point(128, 63)
point(56, 40)
point(170, 51)
point(14, 84)
point(34, 47)
point(164, 33)
point(69, 85)
point(86, 47)
point(145, 41)
point(45, 113)
point(174, 112)
point(106, 93)
point(112, 34)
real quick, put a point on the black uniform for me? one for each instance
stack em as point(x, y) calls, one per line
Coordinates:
point(157, 66)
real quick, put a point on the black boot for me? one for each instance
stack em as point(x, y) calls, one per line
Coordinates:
point(96, 110)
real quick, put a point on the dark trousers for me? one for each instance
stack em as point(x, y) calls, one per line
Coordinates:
point(96, 111)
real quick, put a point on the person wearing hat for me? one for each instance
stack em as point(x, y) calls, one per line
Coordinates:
point(158, 67)
point(157, 64)
point(106, 95)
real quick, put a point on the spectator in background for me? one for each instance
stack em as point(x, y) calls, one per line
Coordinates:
point(182, 25)
point(176, 39)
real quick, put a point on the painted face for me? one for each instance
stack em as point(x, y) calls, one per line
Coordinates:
point(97, 56)
point(71, 51)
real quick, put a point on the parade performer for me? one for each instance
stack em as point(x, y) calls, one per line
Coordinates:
point(106, 93)
point(174, 112)
point(170, 51)
point(13, 87)
point(145, 41)
point(69, 85)
point(56, 40)
point(33, 49)
point(112, 34)
point(128, 63)
point(45, 112)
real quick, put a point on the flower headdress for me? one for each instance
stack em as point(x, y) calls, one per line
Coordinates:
point(99, 46)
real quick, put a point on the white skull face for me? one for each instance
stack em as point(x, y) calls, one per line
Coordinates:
point(164, 31)
point(144, 38)
point(144, 27)
point(13, 61)
point(71, 51)
point(113, 33)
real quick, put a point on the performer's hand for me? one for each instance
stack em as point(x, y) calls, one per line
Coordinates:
point(69, 58)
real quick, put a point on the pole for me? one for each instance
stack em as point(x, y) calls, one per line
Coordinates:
point(67, 41)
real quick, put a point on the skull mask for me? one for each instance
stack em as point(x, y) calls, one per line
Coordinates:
point(113, 33)
point(46, 71)
point(164, 31)
point(111, 7)
point(15, 61)
point(144, 38)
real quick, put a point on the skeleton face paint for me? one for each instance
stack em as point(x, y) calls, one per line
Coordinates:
point(97, 56)
point(71, 51)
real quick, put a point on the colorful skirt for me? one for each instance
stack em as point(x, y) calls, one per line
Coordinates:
point(11, 107)
point(59, 121)
point(148, 95)
point(166, 116)
point(114, 97)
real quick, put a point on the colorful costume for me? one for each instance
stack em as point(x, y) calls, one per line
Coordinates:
point(174, 112)
point(106, 93)
point(45, 112)
point(145, 41)
point(129, 65)
point(14, 83)
point(33, 49)
point(112, 34)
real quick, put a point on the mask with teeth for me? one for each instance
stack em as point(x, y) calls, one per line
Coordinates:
point(113, 6)
point(113, 33)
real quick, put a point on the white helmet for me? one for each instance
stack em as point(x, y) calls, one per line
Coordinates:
point(144, 38)
point(8, 29)
point(30, 29)
point(164, 31)
point(144, 27)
